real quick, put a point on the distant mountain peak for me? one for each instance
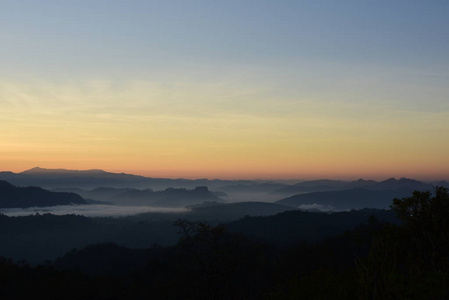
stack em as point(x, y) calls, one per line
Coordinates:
point(39, 170)
point(362, 180)
point(392, 179)
point(403, 179)
point(34, 170)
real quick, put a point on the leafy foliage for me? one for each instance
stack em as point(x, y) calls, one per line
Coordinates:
point(410, 261)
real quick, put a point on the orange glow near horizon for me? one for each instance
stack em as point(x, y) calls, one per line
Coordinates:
point(197, 140)
point(229, 173)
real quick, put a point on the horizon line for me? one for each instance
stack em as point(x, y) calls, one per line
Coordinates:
point(226, 178)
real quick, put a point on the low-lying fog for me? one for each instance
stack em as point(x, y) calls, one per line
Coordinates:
point(90, 210)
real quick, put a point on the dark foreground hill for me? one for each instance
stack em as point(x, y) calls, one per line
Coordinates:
point(23, 197)
point(291, 227)
point(40, 237)
point(374, 260)
point(234, 211)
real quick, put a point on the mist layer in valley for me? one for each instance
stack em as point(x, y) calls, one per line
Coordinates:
point(100, 193)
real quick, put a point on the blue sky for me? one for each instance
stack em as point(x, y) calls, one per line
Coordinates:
point(90, 37)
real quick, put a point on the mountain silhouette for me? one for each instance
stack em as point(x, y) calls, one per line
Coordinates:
point(23, 197)
point(357, 198)
point(393, 183)
point(170, 197)
point(90, 179)
point(122, 187)
point(62, 172)
point(337, 185)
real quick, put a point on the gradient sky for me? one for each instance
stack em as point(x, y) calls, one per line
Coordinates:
point(226, 89)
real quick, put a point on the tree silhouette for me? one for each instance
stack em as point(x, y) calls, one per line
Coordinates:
point(223, 265)
point(426, 221)
point(204, 245)
point(410, 261)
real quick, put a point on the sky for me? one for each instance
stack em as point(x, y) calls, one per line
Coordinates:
point(227, 89)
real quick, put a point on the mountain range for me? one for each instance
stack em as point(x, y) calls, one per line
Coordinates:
point(170, 197)
point(336, 185)
point(340, 195)
point(90, 179)
point(128, 189)
point(356, 198)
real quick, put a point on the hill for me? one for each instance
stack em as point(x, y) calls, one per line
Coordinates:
point(336, 185)
point(295, 226)
point(356, 198)
point(23, 197)
point(170, 197)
